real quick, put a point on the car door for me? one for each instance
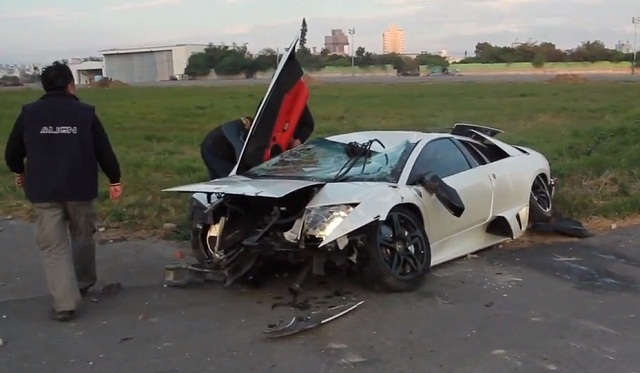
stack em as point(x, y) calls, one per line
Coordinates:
point(453, 164)
point(277, 116)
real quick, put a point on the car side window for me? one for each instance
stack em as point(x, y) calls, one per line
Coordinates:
point(441, 157)
point(474, 152)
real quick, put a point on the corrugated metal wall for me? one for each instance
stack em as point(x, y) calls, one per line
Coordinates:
point(139, 67)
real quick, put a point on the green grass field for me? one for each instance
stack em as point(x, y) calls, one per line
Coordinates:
point(590, 132)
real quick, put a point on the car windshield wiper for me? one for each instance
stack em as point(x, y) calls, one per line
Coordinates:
point(356, 151)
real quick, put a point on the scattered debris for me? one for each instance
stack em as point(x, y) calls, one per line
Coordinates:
point(311, 320)
point(443, 301)
point(125, 339)
point(170, 226)
point(9, 217)
point(595, 326)
point(560, 258)
point(353, 358)
point(336, 346)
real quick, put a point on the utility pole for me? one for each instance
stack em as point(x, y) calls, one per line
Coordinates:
point(635, 21)
point(352, 31)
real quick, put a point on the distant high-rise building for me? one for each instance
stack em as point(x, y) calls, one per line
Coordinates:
point(337, 42)
point(393, 40)
point(624, 47)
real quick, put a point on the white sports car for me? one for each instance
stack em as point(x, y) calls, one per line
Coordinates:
point(391, 203)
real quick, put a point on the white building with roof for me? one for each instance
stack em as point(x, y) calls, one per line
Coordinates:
point(148, 64)
point(86, 71)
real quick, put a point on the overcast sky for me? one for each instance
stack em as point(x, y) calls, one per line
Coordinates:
point(39, 31)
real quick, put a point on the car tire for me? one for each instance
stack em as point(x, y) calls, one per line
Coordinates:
point(540, 202)
point(197, 248)
point(382, 247)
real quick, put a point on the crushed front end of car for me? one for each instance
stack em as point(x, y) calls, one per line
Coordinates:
point(289, 210)
point(238, 234)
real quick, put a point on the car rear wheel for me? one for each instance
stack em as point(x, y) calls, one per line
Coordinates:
point(398, 252)
point(540, 202)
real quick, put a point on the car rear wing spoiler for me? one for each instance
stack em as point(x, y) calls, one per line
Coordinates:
point(466, 130)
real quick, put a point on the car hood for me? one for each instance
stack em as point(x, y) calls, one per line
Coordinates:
point(350, 193)
point(240, 185)
point(329, 194)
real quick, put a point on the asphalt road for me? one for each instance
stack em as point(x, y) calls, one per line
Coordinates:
point(564, 307)
point(372, 79)
point(369, 79)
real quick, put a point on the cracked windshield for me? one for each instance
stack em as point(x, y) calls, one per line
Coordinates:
point(326, 160)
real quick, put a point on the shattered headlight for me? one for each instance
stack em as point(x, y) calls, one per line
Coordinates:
point(321, 221)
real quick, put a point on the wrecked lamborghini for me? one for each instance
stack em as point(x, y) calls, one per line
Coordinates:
point(387, 204)
point(390, 204)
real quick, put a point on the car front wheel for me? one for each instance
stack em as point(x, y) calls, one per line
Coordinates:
point(398, 252)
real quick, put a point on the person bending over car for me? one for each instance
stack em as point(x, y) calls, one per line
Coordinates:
point(217, 151)
point(220, 154)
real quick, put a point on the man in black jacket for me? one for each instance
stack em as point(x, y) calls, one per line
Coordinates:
point(64, 142)
point(221, 148)
point(218, 151)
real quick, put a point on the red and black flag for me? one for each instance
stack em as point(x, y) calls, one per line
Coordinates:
point(276, 121)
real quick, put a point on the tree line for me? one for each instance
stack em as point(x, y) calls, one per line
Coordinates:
point(236, 59)
point(539, 53)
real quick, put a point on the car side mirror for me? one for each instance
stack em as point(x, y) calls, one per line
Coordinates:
point(447, 196)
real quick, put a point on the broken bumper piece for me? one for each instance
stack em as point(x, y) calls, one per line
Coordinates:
point(300, 323)
point(176, 275)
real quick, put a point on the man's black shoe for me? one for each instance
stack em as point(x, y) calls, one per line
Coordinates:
point(63, 316)
point(85, 290)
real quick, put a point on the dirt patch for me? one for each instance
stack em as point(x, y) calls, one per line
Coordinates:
point(311, 80)
point(602, 225)
point(594, 224)
point(568, 78)
point(108, 83)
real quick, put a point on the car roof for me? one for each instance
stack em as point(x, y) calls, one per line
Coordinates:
point(389, 138)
